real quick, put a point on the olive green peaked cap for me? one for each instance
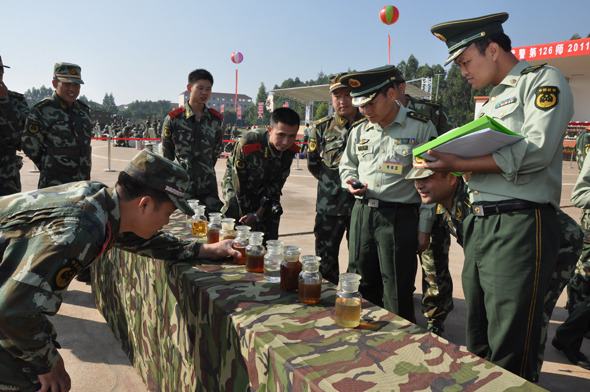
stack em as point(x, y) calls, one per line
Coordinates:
point(162, 174)
point(67, 72)
point(365, 85)
point(459, 34)
point(335, 81)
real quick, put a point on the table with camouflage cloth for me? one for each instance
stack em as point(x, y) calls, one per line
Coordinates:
point(215, 327)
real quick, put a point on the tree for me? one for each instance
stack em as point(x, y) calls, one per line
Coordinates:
point(108, 103)
point(321, 111)
point(34, 95)
point(575, 36)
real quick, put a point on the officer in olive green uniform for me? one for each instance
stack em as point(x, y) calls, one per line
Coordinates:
point(58, 131)
point(388, 224)
point(512, 238)
point(47, 236)
point(256, 172)
point(327, 141)
point(193, 137)
point(453, 195)
point(13, 113)
point(569, 335)
point(437, 284)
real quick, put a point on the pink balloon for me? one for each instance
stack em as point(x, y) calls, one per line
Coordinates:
point(237, 57)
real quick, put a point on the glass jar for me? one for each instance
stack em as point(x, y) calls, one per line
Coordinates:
point(310, 280)
point(347, 311)
point(214, 227)
point(272, 260)
point(189, 219)
point(241, 242)
point(290, 268)
point(227, 231)
point(255, 253)
point(200, 222)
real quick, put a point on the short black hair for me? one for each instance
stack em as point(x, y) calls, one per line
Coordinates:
point(199, 74)
point(130, 188)
point(501, 39)
point(392, 84)
point(286, 116)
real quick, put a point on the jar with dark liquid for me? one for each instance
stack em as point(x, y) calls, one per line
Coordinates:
point(347, 311)
point(310, 280)
point(214, 227)
point(255, 253)
point(290, 269)
point(240, 243)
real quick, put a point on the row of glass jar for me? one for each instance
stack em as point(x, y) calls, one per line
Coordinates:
point(280, 264)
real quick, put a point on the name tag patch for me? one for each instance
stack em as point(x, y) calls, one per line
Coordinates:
point(392, 167)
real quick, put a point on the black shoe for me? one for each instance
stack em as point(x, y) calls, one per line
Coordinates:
point(435, 330)
point(575, 357)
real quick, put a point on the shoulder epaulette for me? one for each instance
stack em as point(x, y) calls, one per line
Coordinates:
point(418, 116)
point(42, 103)
point(216, 113)
point(248, 148)
point(295, 148)
point(323, 120)
point(533, 68)
point(354, 124)
point(15, 94)
point(430, 102)
point(176, 112)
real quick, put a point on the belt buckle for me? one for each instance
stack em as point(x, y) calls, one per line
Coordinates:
point(477, 210)
point(374, 203)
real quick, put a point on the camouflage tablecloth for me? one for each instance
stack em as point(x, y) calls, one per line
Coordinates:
point(216, 327)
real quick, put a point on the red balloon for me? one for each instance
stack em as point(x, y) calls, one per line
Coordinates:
point(237, 57)
point(389, 14)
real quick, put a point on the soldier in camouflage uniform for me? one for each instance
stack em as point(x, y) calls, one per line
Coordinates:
point(437, 283)
point(58, 131)
point(13, 113)
point(453, 195)
point(193, 136)
point(327, 141)
point(582, 146)
point(47, 236)
point(569, 336)
point(257, 170)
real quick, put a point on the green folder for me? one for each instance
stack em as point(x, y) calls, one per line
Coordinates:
point(484, 122)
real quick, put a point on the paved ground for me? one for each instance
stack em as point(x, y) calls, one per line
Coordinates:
point(96, 363)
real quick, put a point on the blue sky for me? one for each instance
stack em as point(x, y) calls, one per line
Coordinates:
point(144, 50)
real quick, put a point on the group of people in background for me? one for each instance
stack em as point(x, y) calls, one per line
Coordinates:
point(520, 249)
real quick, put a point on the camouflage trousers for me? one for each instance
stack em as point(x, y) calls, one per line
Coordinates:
point(10, 166)
point(437, 284)
point(570, 248)
point(328, 231)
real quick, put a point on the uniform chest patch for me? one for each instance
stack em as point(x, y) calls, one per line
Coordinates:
point(546, 97)
point(312, 144)
point(405, 140)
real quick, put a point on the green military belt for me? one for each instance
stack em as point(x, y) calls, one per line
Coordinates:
point(504, 206)
point(376, 203)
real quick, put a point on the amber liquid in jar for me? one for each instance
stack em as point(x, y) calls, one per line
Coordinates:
point(242, 259)
point(212, 237)
point(199, 228)
point(290, 275)
point(310, 293)
point(347, 312)
point(254, 263)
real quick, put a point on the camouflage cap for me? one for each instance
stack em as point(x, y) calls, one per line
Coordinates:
point(365, 85)
point(162, 174)
point(459, 34)
point(67, 72)
point(2, 64)
point(335, 81)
